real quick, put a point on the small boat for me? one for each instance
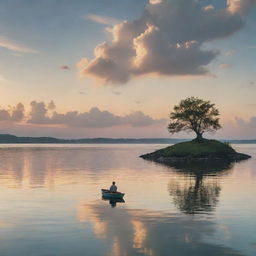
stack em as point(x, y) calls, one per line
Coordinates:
point(107, 194)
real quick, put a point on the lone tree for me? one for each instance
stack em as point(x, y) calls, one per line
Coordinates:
point(193, 114)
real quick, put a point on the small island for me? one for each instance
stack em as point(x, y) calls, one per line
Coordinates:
point(196, 151)
point(193, 114)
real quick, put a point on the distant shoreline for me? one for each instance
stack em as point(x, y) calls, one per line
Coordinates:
point(12, 139)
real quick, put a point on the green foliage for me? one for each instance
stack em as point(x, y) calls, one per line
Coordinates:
point(195, 148)
point(193, 114)
point(228, 144)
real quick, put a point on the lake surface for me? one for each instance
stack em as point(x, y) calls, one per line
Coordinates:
point(51, 205)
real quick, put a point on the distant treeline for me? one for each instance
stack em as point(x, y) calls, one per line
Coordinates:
point(12, 139)
point(7, 138)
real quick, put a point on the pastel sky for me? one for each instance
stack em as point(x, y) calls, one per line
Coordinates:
point(116, 68)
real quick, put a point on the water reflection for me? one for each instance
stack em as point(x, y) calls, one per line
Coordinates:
point(202, 167)
point(113, 201)
point(48, 204)
point(41, 166)
point(151, 233)
point(199, 193)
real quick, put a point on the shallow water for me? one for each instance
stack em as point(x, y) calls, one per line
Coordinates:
point(51, 203)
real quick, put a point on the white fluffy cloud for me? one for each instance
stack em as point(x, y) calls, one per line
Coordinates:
point(167, 39)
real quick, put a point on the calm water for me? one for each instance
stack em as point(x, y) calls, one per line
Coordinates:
point(51, 203)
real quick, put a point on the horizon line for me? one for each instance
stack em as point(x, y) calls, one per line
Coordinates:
point(119, 138)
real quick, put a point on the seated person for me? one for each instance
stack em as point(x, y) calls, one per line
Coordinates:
point(113, 188)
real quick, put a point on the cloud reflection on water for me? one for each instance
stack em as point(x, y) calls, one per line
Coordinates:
point(152, 233)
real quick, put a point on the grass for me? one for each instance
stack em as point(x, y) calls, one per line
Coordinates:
point(195, 148)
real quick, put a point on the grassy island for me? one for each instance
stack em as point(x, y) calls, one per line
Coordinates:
point(199, 116)
point(196, 150)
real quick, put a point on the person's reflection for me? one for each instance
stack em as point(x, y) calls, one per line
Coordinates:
point(200, 192)
point(113, 201)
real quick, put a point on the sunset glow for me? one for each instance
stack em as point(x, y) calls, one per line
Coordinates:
point(116, 69)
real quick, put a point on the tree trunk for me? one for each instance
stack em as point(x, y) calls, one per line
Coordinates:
point(199, 137)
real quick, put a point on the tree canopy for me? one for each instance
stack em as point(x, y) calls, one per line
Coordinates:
point(194, 114)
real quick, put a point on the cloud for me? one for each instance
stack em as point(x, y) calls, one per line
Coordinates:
point(51, 105)
point(138, 118)
point(251, 123)
point(42, 114)
point(155, 1)
point(168, 39)
point(44, 121)
point(65, 67)
point(240, 7)
point(4, 115)
point(94, 118)
point(209, 7)
point(102, 19)
point(239, 128)
point(229, 53)
point(14, 46)
point(224, 66)
point(14, 114)
point(18, 113)
point(38, 113)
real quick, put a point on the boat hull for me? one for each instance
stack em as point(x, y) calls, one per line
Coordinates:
point(107, 194)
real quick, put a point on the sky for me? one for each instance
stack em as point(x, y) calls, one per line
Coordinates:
point(116, 68)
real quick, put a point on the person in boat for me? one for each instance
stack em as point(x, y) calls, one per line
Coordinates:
point(113, 188)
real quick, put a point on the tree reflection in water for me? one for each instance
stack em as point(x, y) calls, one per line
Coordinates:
point(200, 193)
